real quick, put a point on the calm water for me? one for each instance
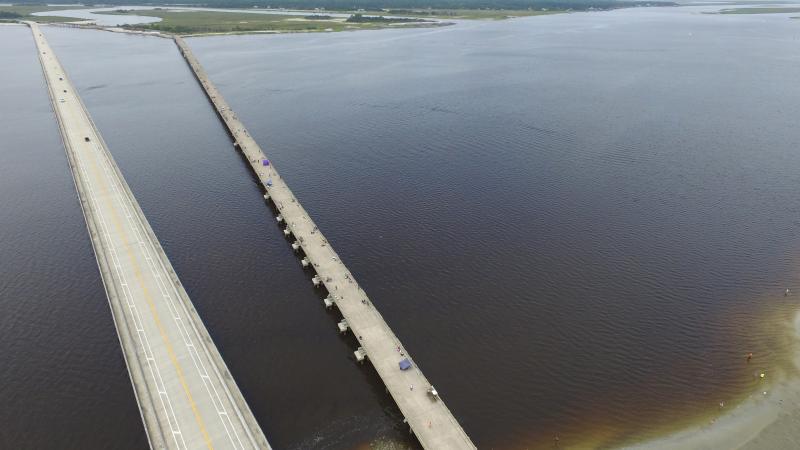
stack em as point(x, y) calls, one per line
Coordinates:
point(578, 224)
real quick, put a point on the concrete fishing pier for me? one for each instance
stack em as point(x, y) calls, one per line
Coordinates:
point(429, 418)
point(185, 393)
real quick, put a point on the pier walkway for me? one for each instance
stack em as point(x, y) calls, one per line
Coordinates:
point(428, 416)
point(186, 396)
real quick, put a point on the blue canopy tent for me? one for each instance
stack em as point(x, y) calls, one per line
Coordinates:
point(265, 162)
point(405, 364)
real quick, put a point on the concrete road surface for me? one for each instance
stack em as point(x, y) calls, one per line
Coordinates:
point(185, 393)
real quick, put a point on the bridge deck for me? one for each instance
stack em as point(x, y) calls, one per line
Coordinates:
point(430, 419)
point(185, 393)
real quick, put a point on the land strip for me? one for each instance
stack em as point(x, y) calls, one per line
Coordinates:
point(193, 21)
point(214, 22)
point(468, 14)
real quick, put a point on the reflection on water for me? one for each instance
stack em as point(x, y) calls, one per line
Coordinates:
point(578, 224)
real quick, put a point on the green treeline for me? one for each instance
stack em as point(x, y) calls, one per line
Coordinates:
point(360, 18)
point(350, 5)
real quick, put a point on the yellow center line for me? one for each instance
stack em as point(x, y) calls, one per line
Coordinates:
point(137, 269)
point(138, 274)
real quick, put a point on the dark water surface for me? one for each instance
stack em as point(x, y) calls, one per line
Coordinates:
point(577, 224)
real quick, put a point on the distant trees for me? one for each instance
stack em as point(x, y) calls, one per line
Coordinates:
point(177, 29)
point(360, 18)
point(10, 15)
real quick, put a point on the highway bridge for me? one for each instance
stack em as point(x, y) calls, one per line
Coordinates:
point(186, 395)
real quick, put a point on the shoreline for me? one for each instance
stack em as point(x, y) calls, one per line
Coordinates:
point(761, 421)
